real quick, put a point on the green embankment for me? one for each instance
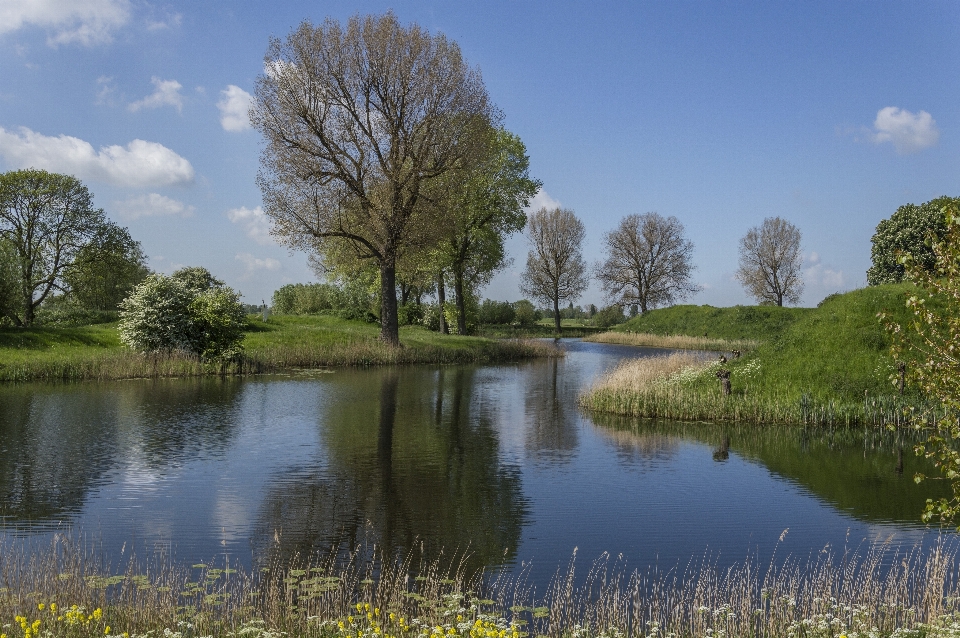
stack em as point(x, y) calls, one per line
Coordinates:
point(736, 324)
point(95, 352)
point(829, 364)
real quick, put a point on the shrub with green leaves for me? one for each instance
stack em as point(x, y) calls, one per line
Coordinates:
point(911, 230)
point(190, 311)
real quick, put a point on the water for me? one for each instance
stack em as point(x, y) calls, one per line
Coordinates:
point(494, 460)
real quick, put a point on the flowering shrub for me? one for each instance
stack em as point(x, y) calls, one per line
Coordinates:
point(175, 313)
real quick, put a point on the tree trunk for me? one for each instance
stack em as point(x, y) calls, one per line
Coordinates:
point(556, 314)
point(441, 300)
point(28, 313)
point(389, 325)
point(461, 304)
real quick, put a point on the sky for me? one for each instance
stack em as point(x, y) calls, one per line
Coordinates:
point(828, 114)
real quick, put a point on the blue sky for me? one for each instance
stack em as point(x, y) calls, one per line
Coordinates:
point(829, 114)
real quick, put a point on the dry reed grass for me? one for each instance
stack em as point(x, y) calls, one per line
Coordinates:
point(674, 342)
point(880, 592)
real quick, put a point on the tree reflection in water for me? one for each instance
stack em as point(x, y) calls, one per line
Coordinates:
point(432, 482)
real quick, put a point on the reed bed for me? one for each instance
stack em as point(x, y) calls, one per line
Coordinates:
point(881, 592)
point(121, 363)
point(682, 386)
point(674, 342)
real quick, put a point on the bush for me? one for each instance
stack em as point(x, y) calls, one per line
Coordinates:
point(164, 314)
point(525, 313)
point(496, 312)
point(609, 316)
point(351, 301)
point(409, 314)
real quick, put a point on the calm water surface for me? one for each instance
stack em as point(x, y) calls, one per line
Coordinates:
point(497, 459)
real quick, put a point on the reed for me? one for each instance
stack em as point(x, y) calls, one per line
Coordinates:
point(879, 592)
point(675, 342)
point(684, 387)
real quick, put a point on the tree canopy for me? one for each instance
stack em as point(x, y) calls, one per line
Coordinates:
point(770, 261)
point(911, 230)
point(358, 120)
point(105, 269)
point(648, 262)
point(46, 219)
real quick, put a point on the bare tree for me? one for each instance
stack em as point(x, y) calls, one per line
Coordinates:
point(770, 262)
point(555, 269)
point(358, 120)
point(648, 262)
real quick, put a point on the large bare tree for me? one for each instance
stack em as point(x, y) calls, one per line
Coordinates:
point(770, 262)
point(555, 269)
point(649, 262)
point(358, 120)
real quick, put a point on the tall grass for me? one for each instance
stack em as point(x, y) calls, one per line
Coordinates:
point(121, 363)
point(676, 342)
point(879, 592)
point(684, 387)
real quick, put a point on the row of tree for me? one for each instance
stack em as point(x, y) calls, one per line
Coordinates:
point(56, 245)
point(648, 261)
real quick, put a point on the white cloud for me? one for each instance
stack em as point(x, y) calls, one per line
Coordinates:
point(105, 91)
point(167, 93)
point(152, 205)
point(233, 105)
point(139, 164)
point(172, 20)
point(820, 277)
point(84, 22)
point(254, 263)
point(541, 200)
point(254, 221)
point(909, 132)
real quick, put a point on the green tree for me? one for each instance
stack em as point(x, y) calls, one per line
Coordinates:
point(927, 346)
point(105, 269)
point(483, 205)
point(908, 231)
point(189, 311)
point(47, 218)
point(10, 298)
point(358, 120)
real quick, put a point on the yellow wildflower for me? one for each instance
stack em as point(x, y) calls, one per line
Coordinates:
point(40, 606)
point(106, 631)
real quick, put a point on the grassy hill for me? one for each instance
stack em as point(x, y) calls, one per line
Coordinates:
point(759, 323)
point(829, 364)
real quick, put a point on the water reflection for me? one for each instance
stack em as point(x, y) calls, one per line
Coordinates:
point(416, 468)
point(59, 442)
point(864, 472)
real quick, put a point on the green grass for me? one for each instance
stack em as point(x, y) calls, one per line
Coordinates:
point(95, 352)
point(828, 365)
point(759, 323)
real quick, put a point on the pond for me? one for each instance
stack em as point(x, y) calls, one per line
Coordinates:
point(494, 461)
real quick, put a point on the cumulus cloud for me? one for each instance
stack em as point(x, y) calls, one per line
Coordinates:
point(234, 104)
point(85, 22)
point(908, 132)
point(139, 164)
point(254, 221)
point(152, 205)
point(541, 200)
point(820, 277)
point(254, 263)
point(166, 93)
point(170, 21)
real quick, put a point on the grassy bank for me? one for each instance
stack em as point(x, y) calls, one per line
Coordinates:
point(879, 593)
point(827, 365)
point(95, 352)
